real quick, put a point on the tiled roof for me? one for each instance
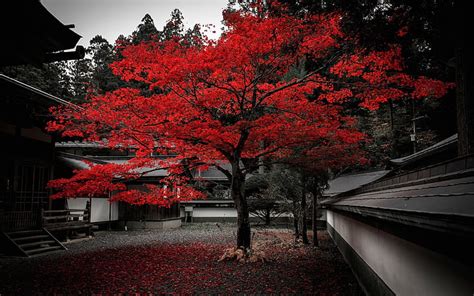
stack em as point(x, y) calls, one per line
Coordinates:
point(349, 182)
point(436, 148)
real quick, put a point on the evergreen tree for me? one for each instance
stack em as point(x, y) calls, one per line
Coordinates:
point(102, 54)
point(146, 31)
point(80, 72)
point(174, 26)
point(194, 36)
point(51, 78)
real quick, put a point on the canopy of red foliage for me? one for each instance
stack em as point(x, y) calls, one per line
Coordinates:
point(245, 96)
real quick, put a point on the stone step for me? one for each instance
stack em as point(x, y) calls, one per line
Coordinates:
point(23, 233)
point(30, 238)
point(32, 243)
point(37, 243)
point(43, 250)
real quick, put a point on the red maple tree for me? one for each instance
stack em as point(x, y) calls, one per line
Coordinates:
point(239, 98)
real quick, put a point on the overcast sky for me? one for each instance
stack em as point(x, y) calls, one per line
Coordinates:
point(110, 18)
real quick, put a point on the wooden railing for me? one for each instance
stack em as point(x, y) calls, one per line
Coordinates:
point(19, 220)
point(147, 212)
point(70, 219)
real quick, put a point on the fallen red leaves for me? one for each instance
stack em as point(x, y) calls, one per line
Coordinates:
point(185, 269)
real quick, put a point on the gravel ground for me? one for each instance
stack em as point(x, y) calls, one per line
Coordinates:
point(180, 261)
point(192, 233)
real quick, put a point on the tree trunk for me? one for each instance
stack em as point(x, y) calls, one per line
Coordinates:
point(390, 105)
point(304, 228)
point(268, 218)
point(464, 83)
point(315, 219)
point(296, 220)
point(238, 195)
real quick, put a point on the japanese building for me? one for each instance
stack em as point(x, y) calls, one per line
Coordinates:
point(74, 155)
point(78, 155)
point(410, 231)
point(28, 153)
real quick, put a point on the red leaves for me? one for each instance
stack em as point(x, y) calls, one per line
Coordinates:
point(430, 88)
point(337, 95)
point(241, 96)
point(402, 32)
point(158, 195)
point(97, 181)
point(103, 179)
point(377, 77)
point(324, 34)
point(182, 269)
point(179, 269)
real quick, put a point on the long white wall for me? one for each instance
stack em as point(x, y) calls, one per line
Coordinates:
point(215, 212)
point(99, 208)
point(212, 212)
point(407, 268)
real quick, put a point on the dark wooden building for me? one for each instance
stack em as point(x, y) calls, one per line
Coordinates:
point(76, 156)
point(30, 35)
point(73, 155)
point(27, 154)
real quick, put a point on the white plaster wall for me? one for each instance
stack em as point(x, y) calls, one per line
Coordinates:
point(407, 268)
point(214, 212)
point(99, 208)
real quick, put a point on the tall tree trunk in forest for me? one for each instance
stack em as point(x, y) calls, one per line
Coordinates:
point(393, 136)
point(464, 82)
point(413, 125)
point(295, 219)
point(390, 106)
point(304, 228)
point(268, 218)
point(238, 196)
point(315, 218)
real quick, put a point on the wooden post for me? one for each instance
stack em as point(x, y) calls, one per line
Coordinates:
point(88, 211)
point(89, 214)
point(41, 217)
point(304, 229)
point(110, 212)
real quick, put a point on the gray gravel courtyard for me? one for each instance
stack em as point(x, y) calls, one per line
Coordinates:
point(180, 261)
point(205, 232)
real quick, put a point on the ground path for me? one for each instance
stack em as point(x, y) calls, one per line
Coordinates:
point(180, 261)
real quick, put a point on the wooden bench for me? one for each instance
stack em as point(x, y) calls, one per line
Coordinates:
point(67, 220)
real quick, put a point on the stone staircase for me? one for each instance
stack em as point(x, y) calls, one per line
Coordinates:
point(32, 243)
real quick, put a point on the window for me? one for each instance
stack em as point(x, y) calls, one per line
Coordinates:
point(30, 190)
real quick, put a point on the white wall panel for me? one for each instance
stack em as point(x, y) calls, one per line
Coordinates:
point(407, 268)
point(99, 208)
